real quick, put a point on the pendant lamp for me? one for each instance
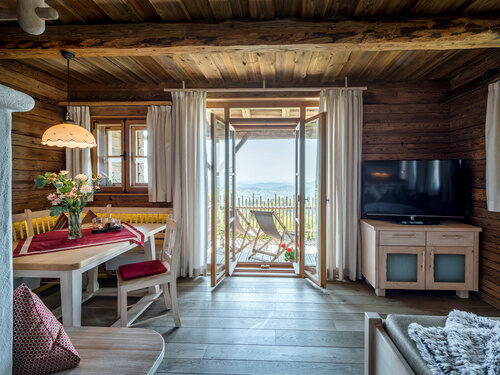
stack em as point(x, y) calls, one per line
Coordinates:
point(68, 133)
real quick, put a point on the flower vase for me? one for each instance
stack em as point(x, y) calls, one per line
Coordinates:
point(74, 224)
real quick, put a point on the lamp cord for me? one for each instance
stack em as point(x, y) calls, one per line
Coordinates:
point(68, 115)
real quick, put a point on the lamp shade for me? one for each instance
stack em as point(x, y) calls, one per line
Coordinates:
point(68, 135)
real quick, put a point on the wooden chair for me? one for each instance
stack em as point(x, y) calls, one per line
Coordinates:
point(169, 258)
point(243, 233)
point(137, 215)
point(267, 226)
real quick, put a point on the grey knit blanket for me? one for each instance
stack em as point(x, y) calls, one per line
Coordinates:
point(467, 345)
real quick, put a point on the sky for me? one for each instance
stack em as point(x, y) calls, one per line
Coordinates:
point(266, 160)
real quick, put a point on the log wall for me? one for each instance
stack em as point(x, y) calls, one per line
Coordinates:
point(29, 156)
point(467, 140)
point(405, 121)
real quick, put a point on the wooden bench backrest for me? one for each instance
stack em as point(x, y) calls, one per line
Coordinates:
point(19, 227)
point(141, 215)
point(30, 222)
point(40, 221)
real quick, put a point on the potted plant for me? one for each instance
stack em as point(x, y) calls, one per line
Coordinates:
point(289, 254)
point(70, 197)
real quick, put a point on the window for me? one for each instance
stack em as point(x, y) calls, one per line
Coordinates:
point(121, 154)
point(139, 159)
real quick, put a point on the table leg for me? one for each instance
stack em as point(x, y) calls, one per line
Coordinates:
point(92, 283)
point(71, 298)
point(150, 254)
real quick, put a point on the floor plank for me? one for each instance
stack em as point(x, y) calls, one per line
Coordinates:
point(264, 326)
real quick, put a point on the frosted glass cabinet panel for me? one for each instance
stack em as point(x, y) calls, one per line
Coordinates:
point(450, 267)
point(403, 267)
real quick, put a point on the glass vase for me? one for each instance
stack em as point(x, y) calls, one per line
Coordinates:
point(74, 224)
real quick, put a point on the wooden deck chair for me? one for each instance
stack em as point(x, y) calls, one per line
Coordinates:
point(242, 233)
point(267, 226)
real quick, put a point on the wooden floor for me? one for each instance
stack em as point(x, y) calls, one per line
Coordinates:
point(263, 325)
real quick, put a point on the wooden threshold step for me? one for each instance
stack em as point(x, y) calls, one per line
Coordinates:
point(264, 274)
point(259, 269)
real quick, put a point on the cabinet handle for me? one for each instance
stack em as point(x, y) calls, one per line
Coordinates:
point(432, 260)
point(423, 261)
point(403, 235)
point(451, 235)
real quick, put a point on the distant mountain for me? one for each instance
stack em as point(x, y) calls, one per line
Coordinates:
point(268, 190)
point(265, 189)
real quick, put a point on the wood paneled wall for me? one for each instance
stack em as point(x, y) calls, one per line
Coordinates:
point(29, 156)
point(405, 121)
point(467, 140)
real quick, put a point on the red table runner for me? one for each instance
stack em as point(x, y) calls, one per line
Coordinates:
point(58, 240)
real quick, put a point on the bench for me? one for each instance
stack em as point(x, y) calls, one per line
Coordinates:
point(124, 351)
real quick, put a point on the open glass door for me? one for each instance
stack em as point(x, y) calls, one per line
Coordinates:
point(222, 258)
point(298, 265)
point(313, 199)
point(218, 214)
point(230, 199)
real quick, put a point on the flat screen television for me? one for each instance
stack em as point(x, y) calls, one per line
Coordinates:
point(414, 188)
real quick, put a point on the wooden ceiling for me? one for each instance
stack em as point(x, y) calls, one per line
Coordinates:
point(304, 65)
point(106, 11)
point(277, 68)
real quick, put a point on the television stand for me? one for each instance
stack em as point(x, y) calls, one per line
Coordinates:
point(418, 222)
point(422, 257)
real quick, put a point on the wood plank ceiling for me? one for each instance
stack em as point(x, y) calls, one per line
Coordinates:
point(277, 68)
point(106, 11)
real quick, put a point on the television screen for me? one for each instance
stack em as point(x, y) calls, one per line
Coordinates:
point(425, 188)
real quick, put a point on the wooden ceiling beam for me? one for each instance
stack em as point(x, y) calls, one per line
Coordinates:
point(155, 39)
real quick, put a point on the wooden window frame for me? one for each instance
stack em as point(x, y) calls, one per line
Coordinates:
point(127, 152)
point(133, 128)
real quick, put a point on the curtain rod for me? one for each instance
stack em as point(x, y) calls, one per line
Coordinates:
point(262, 89)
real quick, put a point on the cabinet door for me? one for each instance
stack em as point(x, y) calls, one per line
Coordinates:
point(450, 268)
point(402, 267)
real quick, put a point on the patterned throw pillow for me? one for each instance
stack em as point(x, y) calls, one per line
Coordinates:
point(62, 220)
point(87, 219)
point(41, 346)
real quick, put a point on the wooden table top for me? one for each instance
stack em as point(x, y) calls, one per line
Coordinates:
point(74, 259)
point(122, 351)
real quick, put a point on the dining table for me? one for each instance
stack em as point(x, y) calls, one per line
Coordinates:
point(69, 266)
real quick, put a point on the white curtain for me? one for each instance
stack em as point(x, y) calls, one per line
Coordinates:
point(492, 134)
point(78, 159)
point(344, 108)
point(160, 165)
point(190, 179)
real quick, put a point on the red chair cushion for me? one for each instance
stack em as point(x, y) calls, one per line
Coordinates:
point(41, 346)
point(147, 268)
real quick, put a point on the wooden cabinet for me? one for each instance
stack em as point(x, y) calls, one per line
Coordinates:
point(443, 256)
